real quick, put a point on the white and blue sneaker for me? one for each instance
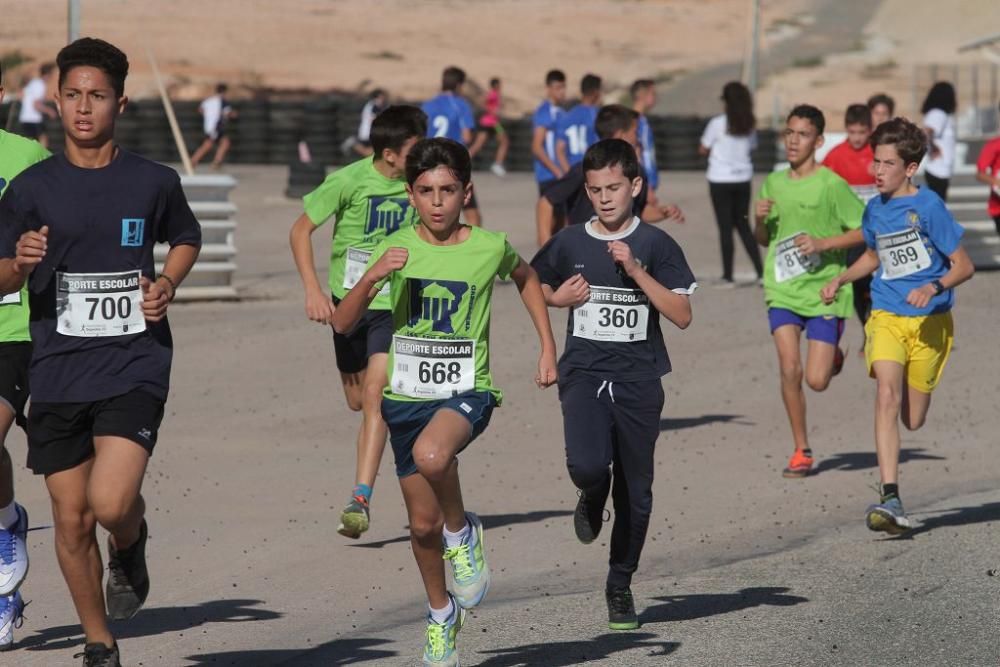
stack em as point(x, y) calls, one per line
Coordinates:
point(11, 616)
point(888, 516)
point(470, 573)
point(14, 553)
point(440, 649)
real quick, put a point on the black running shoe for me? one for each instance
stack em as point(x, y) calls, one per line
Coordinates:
point(128, 580)
point(99, 655)
point(621, 609)
point(589, 514)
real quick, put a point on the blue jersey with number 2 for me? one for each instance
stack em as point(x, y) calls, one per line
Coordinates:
point(447, 116)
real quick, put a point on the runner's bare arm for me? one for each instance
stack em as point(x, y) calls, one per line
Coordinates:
point(865, 266)
point(762, 209)
point(30, 251)
point(157, 295)
point(987, 178)
point(319, 305)
point(561, 155)
point(534, 301)
point(810, 244)
point(538, 151)
point(354, 305)
point(675, 307)
point(962, 269)
point(573, 292)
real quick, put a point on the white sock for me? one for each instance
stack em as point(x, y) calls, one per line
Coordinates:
point(455, 539)
point(442, 615)
point(8, 515)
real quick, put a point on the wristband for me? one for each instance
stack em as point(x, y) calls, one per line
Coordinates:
point(173, 285)
point(938, 287)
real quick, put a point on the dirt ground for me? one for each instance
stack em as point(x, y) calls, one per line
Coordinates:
point(742, 567)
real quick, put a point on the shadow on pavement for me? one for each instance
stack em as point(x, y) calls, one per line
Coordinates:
point(490, 521)
point(690, 607)
point(680, 423)
point(565, 654)
point(337, 652)
point(155, 621)
point(962, 516)
point(850, 461)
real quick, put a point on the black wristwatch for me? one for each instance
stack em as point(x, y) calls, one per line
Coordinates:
point(938, 287)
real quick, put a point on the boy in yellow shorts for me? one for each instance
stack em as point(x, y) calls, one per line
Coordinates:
point(914, 247)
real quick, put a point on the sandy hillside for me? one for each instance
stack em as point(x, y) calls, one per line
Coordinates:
point(351, 44)
point(358, 44)
point(895, 53)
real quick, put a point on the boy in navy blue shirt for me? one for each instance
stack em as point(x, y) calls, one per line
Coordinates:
point(568, 193)
point(450, 116)
point(617, 275)
point(575, 131)
point(914, 246)
point(80, 229)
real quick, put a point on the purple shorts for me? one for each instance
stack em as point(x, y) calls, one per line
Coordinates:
point(826, 328)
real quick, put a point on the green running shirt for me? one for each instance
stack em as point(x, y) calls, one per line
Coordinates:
point(442, 295)
point(821, 205)
point(368, 207)
point(16, 155)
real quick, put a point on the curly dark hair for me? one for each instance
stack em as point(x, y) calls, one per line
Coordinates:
point(91, 52)
point(909, 140)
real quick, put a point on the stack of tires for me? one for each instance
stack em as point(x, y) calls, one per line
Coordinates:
point(304, 177)
point(249, 132)
point(677, 141)
point(320, 130)
point(765, 156)
point(285, 124)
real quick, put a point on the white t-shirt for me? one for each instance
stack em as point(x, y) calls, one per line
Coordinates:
point(943, 125)
point(729, 156)
point(368, 114)
point(34, 91)
point(211, 110)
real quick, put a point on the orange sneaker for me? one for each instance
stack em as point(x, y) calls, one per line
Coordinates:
point(800, 465)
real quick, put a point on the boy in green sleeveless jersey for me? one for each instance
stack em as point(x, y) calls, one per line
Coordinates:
point(368, 200)
point(440, 394)
point(806, 216)
point(16, 154)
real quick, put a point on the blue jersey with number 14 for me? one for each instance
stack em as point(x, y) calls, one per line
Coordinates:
point(576, 129)
point(447, 116)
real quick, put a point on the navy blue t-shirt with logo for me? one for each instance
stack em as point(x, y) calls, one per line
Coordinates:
point(90, 339)
point(616, 335)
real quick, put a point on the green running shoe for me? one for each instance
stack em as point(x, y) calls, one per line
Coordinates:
point(470, 574)
point(621, 609)
point(354, 518)
point(440, 649)
point(888, 516)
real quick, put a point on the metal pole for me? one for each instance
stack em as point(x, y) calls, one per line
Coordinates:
point(977, 116)
point(74, 20)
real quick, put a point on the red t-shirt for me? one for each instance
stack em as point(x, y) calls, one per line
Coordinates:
point(989, 162)
point(853, 166)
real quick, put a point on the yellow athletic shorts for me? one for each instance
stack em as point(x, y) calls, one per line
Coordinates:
point(920, 344)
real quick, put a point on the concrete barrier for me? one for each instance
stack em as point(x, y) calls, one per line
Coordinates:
point(211, 278)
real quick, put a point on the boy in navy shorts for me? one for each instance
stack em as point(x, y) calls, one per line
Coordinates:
point(440, 394)
point(618, 276)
